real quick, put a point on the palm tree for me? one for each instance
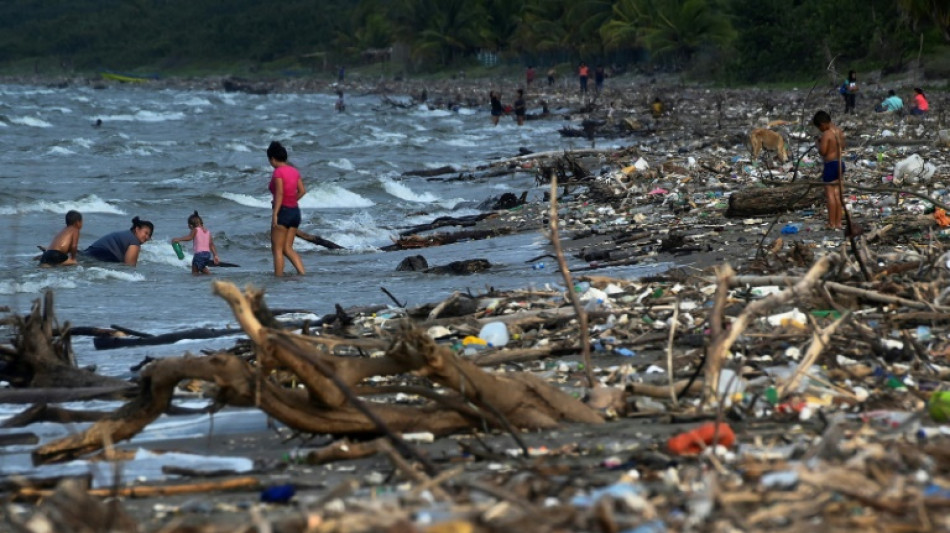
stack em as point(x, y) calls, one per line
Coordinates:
point(680, 28)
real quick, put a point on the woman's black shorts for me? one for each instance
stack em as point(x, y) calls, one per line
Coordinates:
point(288, 217)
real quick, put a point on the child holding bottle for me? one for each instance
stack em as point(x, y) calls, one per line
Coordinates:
point(205, 252)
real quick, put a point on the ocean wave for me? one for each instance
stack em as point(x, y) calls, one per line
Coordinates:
point(357, 233)
point(87, 204)
point(403, 192)
point(320, 197)
point(59, 150)
point(145, 116)
point(195, 101)
point(30, 121)
point(156, 253)
point(237, 147)
point(343, 163)
point(247, 200)
point(101, 273)
point(36, 286)
point(333, 197)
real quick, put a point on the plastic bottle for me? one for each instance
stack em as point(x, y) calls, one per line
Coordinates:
point(495, 334)
point(178, 251)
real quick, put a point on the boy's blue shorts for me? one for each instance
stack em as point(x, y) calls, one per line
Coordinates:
point(830, 173)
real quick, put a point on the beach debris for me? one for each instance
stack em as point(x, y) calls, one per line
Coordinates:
point(826, 378)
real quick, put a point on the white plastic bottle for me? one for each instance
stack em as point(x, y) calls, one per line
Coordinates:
point(495, 334)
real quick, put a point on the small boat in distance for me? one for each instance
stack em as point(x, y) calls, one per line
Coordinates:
point(126, 78)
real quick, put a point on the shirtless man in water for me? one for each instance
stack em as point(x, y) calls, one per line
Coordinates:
point(830, 146)
point(62, 251)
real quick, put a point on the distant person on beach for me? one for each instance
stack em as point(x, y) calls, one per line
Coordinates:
point(122, 246)
point(582, 74)
point(529, 76)
point(831, 147)
point(552, 74)
point(920, 105)
point(203, 243)
point(657, 107)
point(849, 91)
point(340, 104)
point(287, 188)
point(521, 109)
point(497, 110)
point(341, 74)
point(64, 247)
point(892, 103)
point(599, 76)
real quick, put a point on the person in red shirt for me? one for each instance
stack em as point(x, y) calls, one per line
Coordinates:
point(583, 72)
point(529, 75)
point(921, 105)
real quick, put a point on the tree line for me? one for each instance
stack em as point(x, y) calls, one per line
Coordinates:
point(737, 40)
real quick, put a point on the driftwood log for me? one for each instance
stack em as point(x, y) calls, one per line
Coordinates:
point(470, 398)
point(318, 240)
point(41, 354)
point(772, 200)
point(409, 242)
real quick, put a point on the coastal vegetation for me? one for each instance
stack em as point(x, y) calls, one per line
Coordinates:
point(728, 40)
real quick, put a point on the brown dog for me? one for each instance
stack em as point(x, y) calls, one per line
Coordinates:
point(760, 138)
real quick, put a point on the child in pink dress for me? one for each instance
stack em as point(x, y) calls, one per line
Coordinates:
point(205, 252)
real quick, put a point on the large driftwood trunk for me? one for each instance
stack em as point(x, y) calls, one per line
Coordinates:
point(471, 399)
point(773, 200)
point(42, 356)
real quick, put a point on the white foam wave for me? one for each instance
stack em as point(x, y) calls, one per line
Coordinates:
point(100, 273)
point(321, 197)
point(155, 252)
point(196, 101)
point(88, 204)
point(462, 142)
point(145, 116)
point(247, 200)
point(344, 164)
point(403, 192)
point(83, 142)
point(31, 121)
point(333, 197)
point(59, 150)
point(357, 232)
point(56, 281)
point(235, 147)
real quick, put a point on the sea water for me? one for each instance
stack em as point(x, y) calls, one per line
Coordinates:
point(162, 154)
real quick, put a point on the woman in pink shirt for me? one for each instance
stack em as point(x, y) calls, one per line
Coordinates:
point(920, 102)
point(287, 188)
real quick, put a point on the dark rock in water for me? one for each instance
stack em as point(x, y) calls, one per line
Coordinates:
point(509, 200)
point(413, 263)
point(461, 268)
point(524, 151)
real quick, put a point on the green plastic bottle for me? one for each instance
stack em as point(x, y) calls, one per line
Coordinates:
point(178, 251)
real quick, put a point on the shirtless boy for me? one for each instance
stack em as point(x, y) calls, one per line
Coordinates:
point(62, 251)
point(830, 146)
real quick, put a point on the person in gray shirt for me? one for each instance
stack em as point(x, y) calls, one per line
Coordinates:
point(122, 246)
